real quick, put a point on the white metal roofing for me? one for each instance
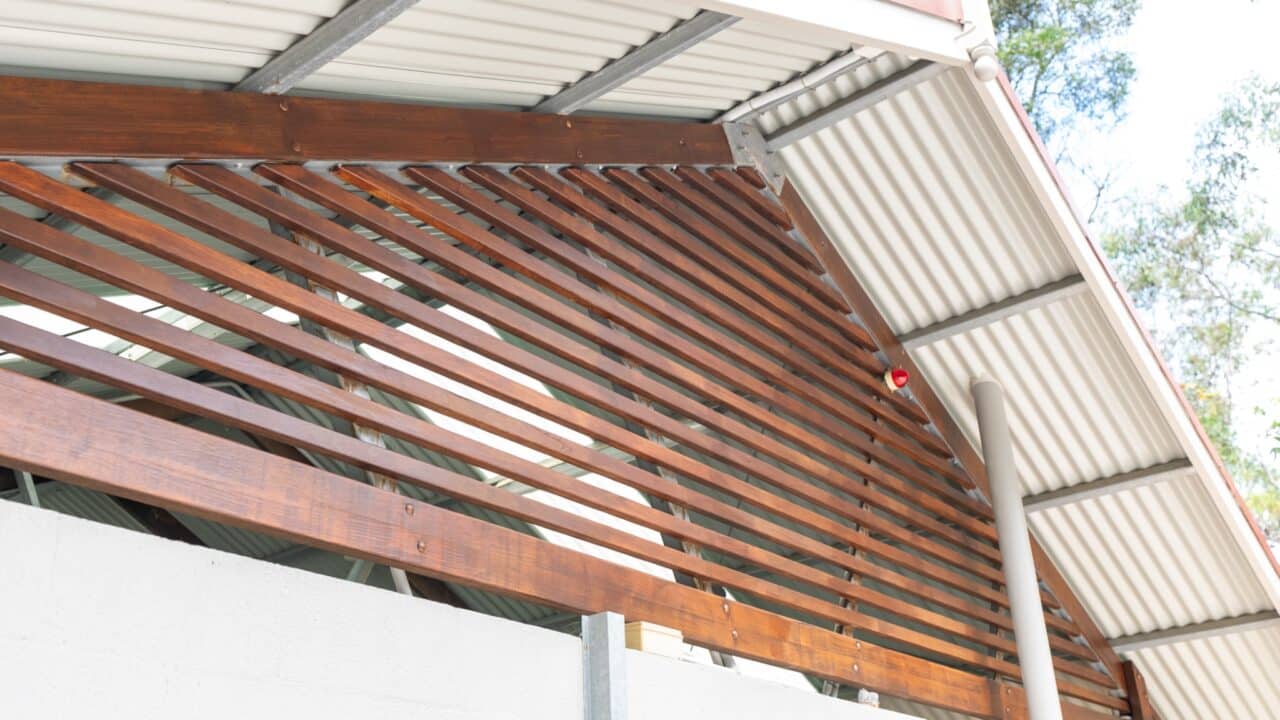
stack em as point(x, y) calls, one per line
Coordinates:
point(926, 199)
point(937, 199)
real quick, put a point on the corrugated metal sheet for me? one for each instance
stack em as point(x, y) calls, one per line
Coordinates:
point(1233, 676)
point(925, 202)
point(486, 52)
point(173, 42)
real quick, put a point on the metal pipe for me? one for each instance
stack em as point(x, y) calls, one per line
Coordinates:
point(780, 94)
point(1021, 582)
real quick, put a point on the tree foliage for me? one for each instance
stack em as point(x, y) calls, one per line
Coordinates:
point(1058, 58)
point(1205, 266)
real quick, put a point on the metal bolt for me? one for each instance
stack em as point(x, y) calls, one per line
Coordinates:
point(408, 508)
point(297, 147)
point(284, 105)
point(734, 633)
point(857, 644)
point(725, 607)
point(422, 546)
point(855, 667)
point(579, 153)
point(682, 141)
point(568, 123)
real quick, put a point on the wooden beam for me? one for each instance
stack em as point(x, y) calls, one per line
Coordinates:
point(153, 461)
point(1136, 689)
point(62, 118)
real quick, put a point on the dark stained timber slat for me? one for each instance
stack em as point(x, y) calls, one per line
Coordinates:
point(154, 461)
point(578, 228)
point(934, 635)
point(107, 368)
point(182, 250)
point(697, 225)
point(746, 271)
point(639, 296)
point(747, 214)
point(871, 384)
point(237, 189)
point(759, 202)
point(735, 228)
point(697, 273)
point(104, 315)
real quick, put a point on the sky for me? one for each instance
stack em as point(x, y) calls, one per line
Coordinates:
point(1188, 55)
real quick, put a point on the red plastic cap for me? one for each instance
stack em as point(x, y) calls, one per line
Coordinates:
point(896, 378)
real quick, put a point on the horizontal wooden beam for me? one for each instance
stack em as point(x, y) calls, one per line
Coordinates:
point(153, 461)
point(68, 119)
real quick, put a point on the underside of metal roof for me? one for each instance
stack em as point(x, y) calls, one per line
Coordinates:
point(927, 193)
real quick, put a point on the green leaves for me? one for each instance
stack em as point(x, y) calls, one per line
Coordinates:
point(1057, 56)
point(1205, 267)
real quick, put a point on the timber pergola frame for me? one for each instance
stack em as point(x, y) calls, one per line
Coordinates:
point(636, 196)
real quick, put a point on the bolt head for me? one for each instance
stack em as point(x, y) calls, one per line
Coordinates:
point(422, 546)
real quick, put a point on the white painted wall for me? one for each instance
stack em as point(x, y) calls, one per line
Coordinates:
point(108, 623)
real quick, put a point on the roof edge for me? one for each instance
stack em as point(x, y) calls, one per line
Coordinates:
point(1108, 290)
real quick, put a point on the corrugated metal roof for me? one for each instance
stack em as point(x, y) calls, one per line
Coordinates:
point(924, 200)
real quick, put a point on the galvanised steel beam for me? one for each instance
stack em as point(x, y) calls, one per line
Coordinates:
point(1106, 486)
point(337, 35)
point(917, 73)
point(1197, 631)
point(637, 62)
point(995, 312)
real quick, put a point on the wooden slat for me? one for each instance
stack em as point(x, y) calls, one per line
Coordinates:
point(707, 207)
point(216, 222)
point(663, 246)
point(182, 250)
point(746, 213)
point(578, 227)
point(763, 204)
point(102, 314)
point(875, 323)
point(84, 119)
point(217, 479)
point(223, 182)
point(873, 396)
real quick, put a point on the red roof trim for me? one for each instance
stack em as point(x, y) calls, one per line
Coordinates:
point(945, 9)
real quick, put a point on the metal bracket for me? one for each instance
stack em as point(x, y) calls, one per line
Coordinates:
point(750, 148)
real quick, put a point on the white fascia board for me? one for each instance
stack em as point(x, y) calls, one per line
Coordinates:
point(1115, 306)
point(877, 23)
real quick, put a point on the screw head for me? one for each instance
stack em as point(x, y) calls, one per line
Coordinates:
point(422, 546)
point(855, 667)
point(734, 634)
point(568, 123)
point(408, 508)
point(297, 147)
point(284, 105)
